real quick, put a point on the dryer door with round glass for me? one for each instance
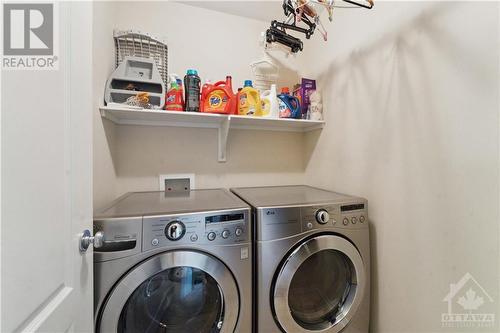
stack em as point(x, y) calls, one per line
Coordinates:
point(178, 292)
point(319, 286)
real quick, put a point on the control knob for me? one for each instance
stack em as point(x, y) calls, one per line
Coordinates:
point(322, 216)
point(225, 234)
point(175, 230)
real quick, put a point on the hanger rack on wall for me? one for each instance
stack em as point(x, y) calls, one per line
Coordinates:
point(303, 16)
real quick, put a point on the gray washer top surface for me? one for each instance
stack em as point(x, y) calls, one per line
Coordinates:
point(136, 204)
point(294, 195)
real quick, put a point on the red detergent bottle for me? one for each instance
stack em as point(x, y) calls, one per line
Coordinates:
point(174, 100)
point(219, 97)
point(204, 90)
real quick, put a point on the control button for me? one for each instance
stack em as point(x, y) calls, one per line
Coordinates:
point(362, 219)
point(322, 216)
point(211, 236)
point(175, 230)
point(238, 232)
point(345, 221)
point(155, 242)
point(309, 225)
point(194, 237)
point(225, 234)
point(354, 220)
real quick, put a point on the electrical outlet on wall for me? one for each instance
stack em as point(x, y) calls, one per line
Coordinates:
point(177, 182)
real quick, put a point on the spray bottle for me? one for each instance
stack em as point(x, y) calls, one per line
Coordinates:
point(174, 98)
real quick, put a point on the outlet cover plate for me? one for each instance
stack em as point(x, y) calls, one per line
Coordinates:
point(177, 181)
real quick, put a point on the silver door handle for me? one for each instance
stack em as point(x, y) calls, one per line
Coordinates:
point(86, 239)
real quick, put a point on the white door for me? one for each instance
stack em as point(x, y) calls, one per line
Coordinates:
point(46, 140)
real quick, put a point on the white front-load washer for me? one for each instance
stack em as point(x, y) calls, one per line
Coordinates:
point(311, 260)
point(174, 262)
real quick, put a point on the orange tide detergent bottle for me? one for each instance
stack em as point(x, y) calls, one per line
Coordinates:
point(218, 97)
point(174, 100)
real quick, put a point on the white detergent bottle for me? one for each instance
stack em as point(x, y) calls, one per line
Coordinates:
point(270, 108)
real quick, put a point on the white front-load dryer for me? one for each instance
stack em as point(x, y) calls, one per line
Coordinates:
point(174, 262)
point(311, 260)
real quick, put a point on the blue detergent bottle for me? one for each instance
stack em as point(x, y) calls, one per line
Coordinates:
point(289, 106)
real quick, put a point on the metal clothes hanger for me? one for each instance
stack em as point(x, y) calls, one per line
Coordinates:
point(304, 12)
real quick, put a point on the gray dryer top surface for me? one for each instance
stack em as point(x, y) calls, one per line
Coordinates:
point(294, 195)
point(135, 204)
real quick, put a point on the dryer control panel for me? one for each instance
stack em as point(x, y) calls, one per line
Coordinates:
point(349, 215)
point(217, 228)
point(274, 223)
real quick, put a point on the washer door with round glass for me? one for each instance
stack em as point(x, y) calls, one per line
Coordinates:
point(319, 286)
point(174, 292)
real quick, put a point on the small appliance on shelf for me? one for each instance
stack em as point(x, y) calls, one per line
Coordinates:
point(134, 76)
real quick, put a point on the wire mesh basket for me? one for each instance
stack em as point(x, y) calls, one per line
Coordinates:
point(137, 44)
point(265, 73)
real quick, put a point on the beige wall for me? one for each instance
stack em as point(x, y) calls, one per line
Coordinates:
point(104, 131)
point(411, 97)
point(130, 158)
point(254, 158)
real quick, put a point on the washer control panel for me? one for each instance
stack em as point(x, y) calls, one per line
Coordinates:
point(218, 228)
point(350, 215)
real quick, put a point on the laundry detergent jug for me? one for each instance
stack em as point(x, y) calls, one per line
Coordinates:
point(218, 97)
point(249, 103)
point(204, 90)
point(289, 106)
point(269, 100)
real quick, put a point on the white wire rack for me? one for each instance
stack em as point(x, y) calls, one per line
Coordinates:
point(265, 72)
point(139, 44)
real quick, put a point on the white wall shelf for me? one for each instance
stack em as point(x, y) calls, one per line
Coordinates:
point(124, 116)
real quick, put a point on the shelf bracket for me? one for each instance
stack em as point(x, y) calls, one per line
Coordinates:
point(223, 132)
